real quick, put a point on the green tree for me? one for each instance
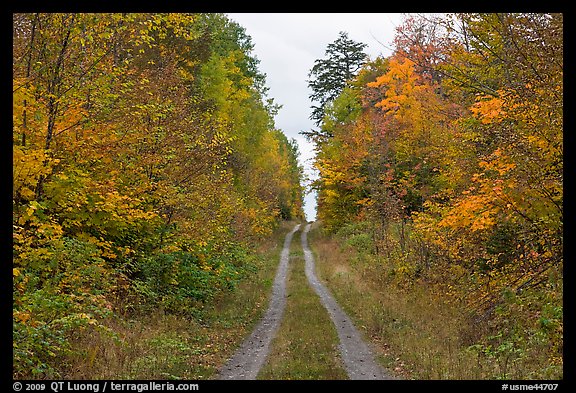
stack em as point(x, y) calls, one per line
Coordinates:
point(329, 76)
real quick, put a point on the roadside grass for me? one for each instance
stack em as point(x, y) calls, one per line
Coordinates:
point(162, 346)
point(415, 336)
point(306, 344)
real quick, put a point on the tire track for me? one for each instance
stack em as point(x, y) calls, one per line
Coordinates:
point(358, 358)
point(249, 358)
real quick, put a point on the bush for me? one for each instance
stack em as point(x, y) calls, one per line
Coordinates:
point(357, 236)
point(182, 281)
point(49, 308)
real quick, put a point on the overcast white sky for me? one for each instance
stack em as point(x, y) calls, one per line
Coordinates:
point(287, 44)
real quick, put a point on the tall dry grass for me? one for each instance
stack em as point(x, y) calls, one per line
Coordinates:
point(415, 335)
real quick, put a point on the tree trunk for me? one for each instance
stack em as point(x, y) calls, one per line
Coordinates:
point(28, 67)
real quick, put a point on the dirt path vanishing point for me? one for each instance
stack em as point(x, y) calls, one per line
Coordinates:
point(249, 358)
point(358, 358)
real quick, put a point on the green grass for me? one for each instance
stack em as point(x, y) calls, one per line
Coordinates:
point(306, 344)
point(160, 346)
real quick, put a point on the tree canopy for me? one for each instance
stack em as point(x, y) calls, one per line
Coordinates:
point(451, 150)
point(146, 164)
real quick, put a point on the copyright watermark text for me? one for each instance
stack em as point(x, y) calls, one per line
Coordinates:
point(103, 386)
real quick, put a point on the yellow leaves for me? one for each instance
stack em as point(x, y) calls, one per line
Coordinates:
point(19, 279)
point(182, 25)
point(149, 160)
point(484, 220)
point(106, 253)
point(28, 165)
point(27, 118)
point(171, 248)
point(88, 318)
point(331, 174)
point(221, 140)
point(365, 202)
point(488, 109)
point(27, 214)
point(539, 143)
point(399, 69)
point(204, 263)
point(491, 195)
point(33, 237)
point(21, 316)
point(50, 230)
point(331, 195)
point(499, 162)
point(106, 248)
point(400, 85)
point(27, 193)
point(85, 201)
point(474, 212)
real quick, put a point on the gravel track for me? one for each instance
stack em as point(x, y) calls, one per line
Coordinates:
point(358, 358)
point(251, 355)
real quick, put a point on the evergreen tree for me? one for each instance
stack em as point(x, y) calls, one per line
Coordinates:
point(329, 76)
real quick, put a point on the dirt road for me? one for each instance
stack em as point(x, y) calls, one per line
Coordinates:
point(251, 355)
point(358, 359)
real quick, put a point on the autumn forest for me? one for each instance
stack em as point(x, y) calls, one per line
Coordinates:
point(152, 190)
